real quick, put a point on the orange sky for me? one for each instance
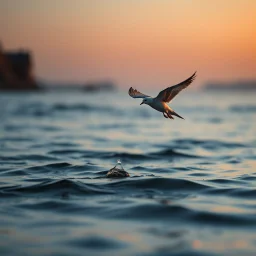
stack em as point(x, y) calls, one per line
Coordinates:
point(142, 43)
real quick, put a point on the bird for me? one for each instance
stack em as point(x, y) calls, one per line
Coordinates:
point(159, 103)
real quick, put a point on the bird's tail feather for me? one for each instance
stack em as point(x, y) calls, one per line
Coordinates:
point(175, 114)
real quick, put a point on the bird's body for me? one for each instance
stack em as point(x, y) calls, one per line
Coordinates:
point(160, 106)
point(159, 103)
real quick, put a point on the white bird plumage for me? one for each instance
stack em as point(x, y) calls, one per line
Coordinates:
point(159, 103)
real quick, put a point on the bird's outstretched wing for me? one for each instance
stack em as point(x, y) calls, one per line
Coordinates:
point(136, 94)
point(169, 93)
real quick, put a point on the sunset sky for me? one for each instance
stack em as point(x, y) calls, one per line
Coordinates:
point(144, 43)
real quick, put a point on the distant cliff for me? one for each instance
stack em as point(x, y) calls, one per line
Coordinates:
point(16, 71)
point(104, 86)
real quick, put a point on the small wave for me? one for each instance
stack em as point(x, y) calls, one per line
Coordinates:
point(94, 242)
point(163, 154)
point(167, 233)
point(49, 128)
point(61, 206)
point(51, 205)
point(247, 177)
point(234, 161)
point(9, 158)
point(200, 174)
point(233, 192)
point(36, 157)
point(61, 186)
point(7, 195)
point(170, 212)
point(243, 108)
point(215, 120)
point(59, 166)
point(208, 144)
point(172, 153)
point(114, 155)
point(82, 107)
point(128, 156)
point(160, 184)
point(109, 127)
point(70, 107)
point(31, 157)
point(14, 173)
point(152, 170)
point(235, 220)
point(66, 152)
point(244, 193)
point(227, 181)
point(16, 138)
point(62, 144)
point(149, 211)
point(132, 157)
point(41, 110)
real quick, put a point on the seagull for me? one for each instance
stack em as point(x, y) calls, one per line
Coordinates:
point(159, 103)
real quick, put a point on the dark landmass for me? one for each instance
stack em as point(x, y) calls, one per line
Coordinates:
point(99, 86)
point(241, 85)
point(90, 87)
point(16, 71)
point(16, 74)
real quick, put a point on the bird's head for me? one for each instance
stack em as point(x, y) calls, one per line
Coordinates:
point(146, 101)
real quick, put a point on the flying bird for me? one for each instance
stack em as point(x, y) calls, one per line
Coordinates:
point(159, 103)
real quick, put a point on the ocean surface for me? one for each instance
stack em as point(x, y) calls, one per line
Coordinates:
point(192, 184)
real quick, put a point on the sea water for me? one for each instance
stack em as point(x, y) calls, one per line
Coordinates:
point(192, 184)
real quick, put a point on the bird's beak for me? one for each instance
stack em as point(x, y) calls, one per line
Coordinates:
point(141, 103)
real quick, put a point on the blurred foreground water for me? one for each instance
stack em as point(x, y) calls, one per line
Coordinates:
point(191, 189)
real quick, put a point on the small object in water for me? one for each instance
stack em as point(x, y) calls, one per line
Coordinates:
point(117, 171)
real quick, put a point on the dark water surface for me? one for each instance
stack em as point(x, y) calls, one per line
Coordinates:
point(191, 190)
